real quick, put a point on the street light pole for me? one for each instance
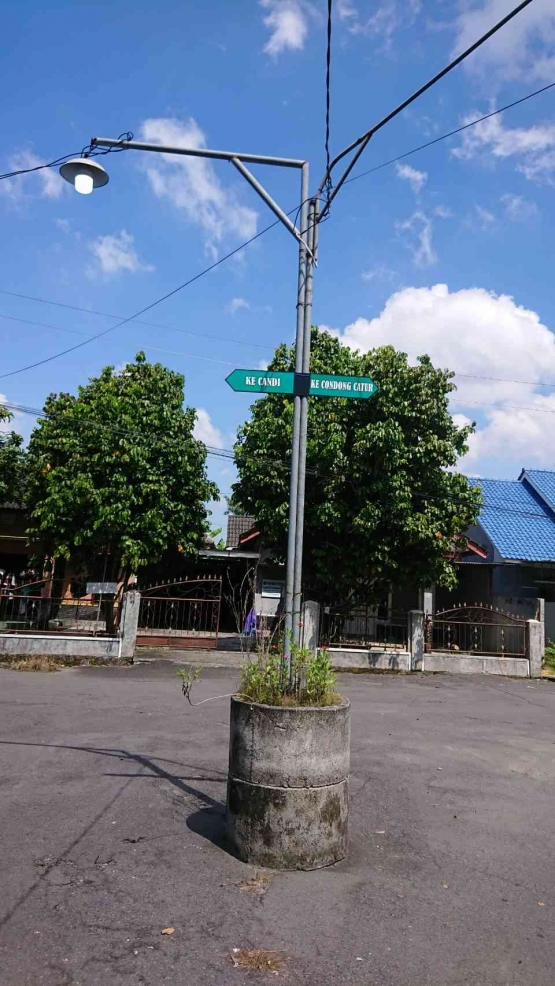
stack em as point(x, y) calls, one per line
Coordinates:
point(86, 174)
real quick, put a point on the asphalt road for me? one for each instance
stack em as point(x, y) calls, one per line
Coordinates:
point(111, 812)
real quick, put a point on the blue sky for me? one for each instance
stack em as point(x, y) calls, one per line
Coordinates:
point(450, 253)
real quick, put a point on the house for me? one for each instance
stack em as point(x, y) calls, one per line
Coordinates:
point(14, 550)
point(510, 559)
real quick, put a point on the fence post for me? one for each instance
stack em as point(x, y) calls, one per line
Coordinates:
point(416, 639)
point(310, 624)
point(541, 618)
point(534, 647)
point(129, 622)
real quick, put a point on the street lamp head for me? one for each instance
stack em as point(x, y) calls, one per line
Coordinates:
point(84, 174)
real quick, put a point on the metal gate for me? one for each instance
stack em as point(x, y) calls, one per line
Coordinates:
point(182, 613)
point(476, 629)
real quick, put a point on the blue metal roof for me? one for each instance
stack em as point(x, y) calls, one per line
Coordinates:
point(517, 519)
point(543, 482)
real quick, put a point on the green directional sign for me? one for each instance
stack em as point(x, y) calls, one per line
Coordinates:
point(261, 381)
point(303, 384)
point(325, 385)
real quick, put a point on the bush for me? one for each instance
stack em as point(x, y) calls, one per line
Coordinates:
point(312, 681)
point(549, 657)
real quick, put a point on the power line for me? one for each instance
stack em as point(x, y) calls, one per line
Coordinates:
point(362, 142)
point(506, 407)
point(363, 174)
point(174, 352)
point(328, 185)
point(147, 308)
point(231, 253)
point(87, 151)
point(451, 133)
point(39, 167)
point(92, 311)
point(229, 454)
point(144, 345)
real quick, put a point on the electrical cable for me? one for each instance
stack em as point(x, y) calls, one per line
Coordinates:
point(143, 345)
point(174, 352)
point(328, 185)
point(384, 164)
point(451, 133)
point(241, 246)
point(229, 454)
point(362, 142)
point(39, 167)
point(91, 311)
point(147, 308)
point(88, 151)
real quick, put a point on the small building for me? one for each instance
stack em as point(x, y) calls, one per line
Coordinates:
point(510, 559)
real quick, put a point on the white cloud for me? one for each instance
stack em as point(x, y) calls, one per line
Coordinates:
point(116, 253)
point(346, 10)
point(206, 431)
point(236, 304)
point(486, 219)
point(419, 241)
point(533, 147)
point(288, 23)
point(46, 183)
point(443, 212)
point(62, 224)
point(517, 208)
point(493, 344)
point(522, 47)
point(385, 20)
point(515, 436)
point(191, 184)
point(12, 425)
point(415, 178)
point(379, 273)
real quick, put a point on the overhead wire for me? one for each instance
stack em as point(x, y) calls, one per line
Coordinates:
point(135, 317)
point(146, 345)
point(237, 249)
point(142, 311)
point(328, 185)
point(138, 321)
point(362, 142)
point(87, 151)
point(452, 133)
point(229, 454)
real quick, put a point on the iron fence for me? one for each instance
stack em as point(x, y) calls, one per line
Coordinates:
point(186, 608)
point(365, 627)
point(476, 629)
point(50, 606)
point(163, 616)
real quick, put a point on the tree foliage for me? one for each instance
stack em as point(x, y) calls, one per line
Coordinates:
point(383, 504)
point(116, 471)
point(12, 462)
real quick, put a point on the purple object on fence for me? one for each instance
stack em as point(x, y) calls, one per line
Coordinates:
point(250, 622)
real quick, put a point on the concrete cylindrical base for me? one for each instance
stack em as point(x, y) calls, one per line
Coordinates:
point(288, 787)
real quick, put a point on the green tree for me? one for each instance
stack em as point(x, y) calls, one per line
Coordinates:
point(117, 473)
point(12, 462)
point(383, 504)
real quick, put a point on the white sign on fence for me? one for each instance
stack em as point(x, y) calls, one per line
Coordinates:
point(102, 588)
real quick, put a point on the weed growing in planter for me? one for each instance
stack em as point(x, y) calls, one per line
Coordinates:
point(312, 681)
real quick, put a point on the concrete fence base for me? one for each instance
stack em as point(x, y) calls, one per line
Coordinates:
point(55, 644)
point(288, 785)
point(358, 659)
point(514, 667)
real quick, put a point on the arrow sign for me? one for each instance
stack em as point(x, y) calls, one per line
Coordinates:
point(261, 381)
point(325, 385)
point(304, 384)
